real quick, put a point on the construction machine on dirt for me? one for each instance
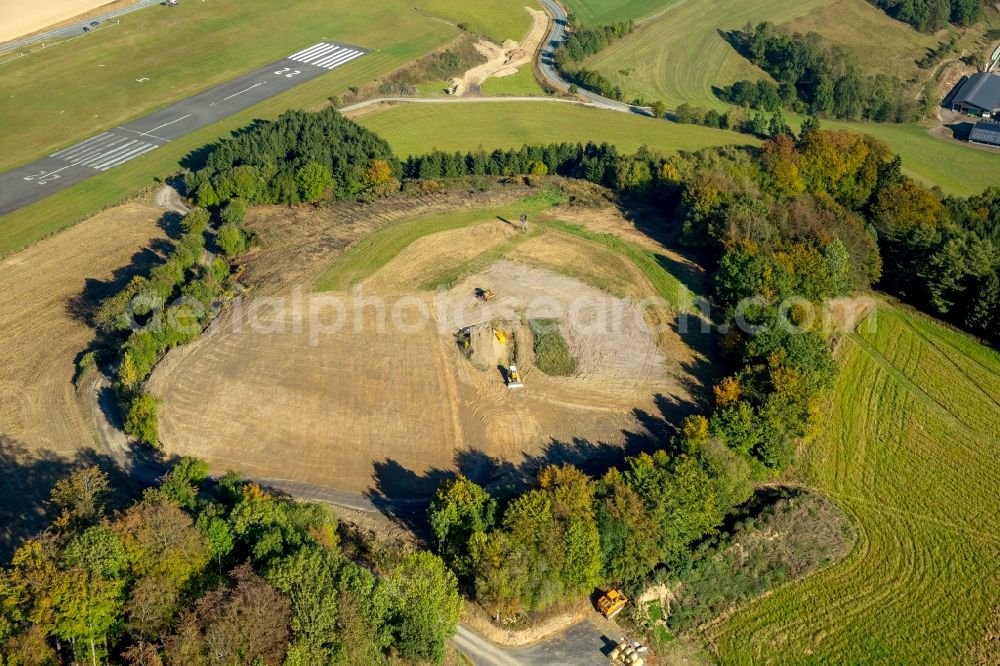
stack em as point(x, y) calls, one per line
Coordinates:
point(514, 378)
point(611, 603)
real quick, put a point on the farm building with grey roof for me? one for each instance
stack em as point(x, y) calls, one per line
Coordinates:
point(979, 95)
point(986, 133)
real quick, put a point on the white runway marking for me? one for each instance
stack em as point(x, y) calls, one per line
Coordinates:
point(150, 132)
point(239, 93)
point(43, 177)
point(325, 55)
point(104, 151)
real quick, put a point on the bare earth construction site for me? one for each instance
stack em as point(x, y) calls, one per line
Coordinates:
point(296, 386)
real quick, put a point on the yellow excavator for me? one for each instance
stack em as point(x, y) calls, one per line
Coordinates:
point(611, 603)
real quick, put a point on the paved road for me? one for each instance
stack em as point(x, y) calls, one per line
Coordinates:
point(77, 29)
point(34, 182)
point(584, 644)
point(455, 100)
point(546, 64)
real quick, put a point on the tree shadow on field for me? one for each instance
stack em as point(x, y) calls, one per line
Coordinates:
point(663, 229)
point(196, 159)
point(738, 40)
point(404, 495)
point(26, 480)
point(696, 328)
point(83, 306)
point(170, 222)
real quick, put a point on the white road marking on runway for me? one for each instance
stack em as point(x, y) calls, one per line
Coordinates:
point(312, 50)
point(122, 159)
point(325, 55)
point(105, 151)
point(45, 176)
point(333, 60)
point(149, 132)
point(115, 149)
point(243, 91)
point(91, 140)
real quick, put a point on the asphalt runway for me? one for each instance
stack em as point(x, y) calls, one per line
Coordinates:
point(32, 183)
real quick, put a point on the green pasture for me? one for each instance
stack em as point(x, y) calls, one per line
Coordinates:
point(521, 84)
point(601, 12)
point(497, 20)
point(910, 452)
point(679, 56)
point(682, 55)
point(418, 128)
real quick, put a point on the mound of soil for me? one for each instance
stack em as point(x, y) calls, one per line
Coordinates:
point(484, 347)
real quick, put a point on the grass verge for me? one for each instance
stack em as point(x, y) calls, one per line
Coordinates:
point(910, 453)
point(521, 84)
point(654, 266)
point(497, 20)
point(372, 252)
point(414, 129)
point(599, 12)
point(551, 351)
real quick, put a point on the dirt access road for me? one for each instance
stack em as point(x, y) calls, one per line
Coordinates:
point(503, 59)
point(44, 291)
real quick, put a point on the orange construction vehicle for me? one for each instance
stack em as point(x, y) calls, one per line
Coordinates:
point(611, 603)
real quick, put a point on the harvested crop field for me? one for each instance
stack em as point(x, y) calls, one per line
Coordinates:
point(19, 20)
point(42, 425)
point(370, 388)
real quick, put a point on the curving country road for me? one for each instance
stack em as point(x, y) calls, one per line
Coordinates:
point(584, 644)
point(547, 67)
point(545, 59)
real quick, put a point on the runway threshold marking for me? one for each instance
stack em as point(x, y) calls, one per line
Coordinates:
point(325, 55)
point(20, 187)
point(104, 151)
point(44, 176)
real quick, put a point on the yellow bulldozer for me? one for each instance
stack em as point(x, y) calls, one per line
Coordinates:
point(611, 603)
